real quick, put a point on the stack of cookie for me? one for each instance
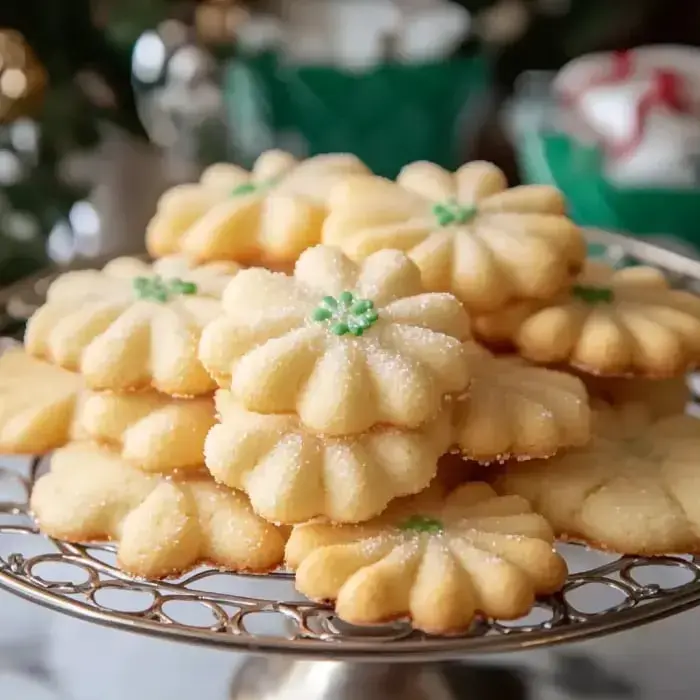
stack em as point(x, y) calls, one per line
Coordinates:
point(634, 488)
point(517, 264)
point(336, 404)
point(492, 247)
point(444, 317)
point(107, 364)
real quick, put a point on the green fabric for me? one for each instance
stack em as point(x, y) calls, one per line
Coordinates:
point(594, 201)
point(388, 115)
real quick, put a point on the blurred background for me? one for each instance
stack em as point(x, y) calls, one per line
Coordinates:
point(105, 103)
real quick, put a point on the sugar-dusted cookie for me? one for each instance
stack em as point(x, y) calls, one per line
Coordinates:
point(467, 232)
point(43, 407)
point(131, 325)
point(438, 560)
point(611, 322)
point(37, 401)
point(292, 475)
point(343, 345)
point(163, 526)
point(514, 410)
point(153, 432)
point(269, 215)
point(634, 489)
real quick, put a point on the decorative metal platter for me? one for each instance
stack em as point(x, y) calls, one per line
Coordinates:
point(604, 593)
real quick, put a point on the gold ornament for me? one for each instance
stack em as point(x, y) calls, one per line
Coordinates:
point(22, 77)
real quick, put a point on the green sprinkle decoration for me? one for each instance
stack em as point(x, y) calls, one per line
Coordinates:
point(158, 289)
point(593, 295)
point(422, 523)
point(346, 314)
point(451, 213)
point(252, 187)
point(245, 188)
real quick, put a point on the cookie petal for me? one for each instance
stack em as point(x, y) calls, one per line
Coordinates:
point(321, 344)
point(162, 526)
point(293, 475)
point(437, 560)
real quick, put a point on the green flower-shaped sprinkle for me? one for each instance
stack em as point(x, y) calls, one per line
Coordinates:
point(251, 187)
point(422, 523)
point(452, 213)
point(346, 314)
point(245, 188)
point(158, 289)
point(593, 295)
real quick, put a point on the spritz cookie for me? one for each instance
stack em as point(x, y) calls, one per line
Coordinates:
point(163, 527)
point(37, 402)
point(43, 407)
point(514, 410)
point(467, 232)
point(131, 325)
point(153, 432)
point(292, 475)
point(634, 489)
point(611, 322)
point(438, 560)
point(269, 215)
point(345, 346)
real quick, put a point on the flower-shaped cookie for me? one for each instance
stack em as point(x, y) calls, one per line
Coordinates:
point(37, 401)
point(514, 410)
point(466, 231)
point(270, 214)
point(43, 407)
point(163, 526)
point(343, 345)
point(438, 560)
point(292, 475)
point(151, 431)
point(612, 322)
point(131, 325)
point(635, 489)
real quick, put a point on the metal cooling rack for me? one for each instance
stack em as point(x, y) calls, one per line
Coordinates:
point(603, 594)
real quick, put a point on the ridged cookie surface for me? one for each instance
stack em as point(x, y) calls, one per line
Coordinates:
point(151, 431)
point(131, 325)
point(37, 403)
point(345, 346)
point(635, 489)
point(514, 410)
point(163, 527)
point(611, 322)
point(438, 560)
point(467, 232)
point(43, 407)
point(292, 475)
point(269, 215)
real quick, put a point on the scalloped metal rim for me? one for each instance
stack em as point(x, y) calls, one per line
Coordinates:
point(425, 650)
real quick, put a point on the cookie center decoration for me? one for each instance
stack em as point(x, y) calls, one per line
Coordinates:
point(158, 289)
point(422, 524)
point(252, 187)
point(591, 294)
point(346, 314)
point(451, 213)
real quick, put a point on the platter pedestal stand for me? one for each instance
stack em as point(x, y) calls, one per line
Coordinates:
point(273, 678)
point(307, 653)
